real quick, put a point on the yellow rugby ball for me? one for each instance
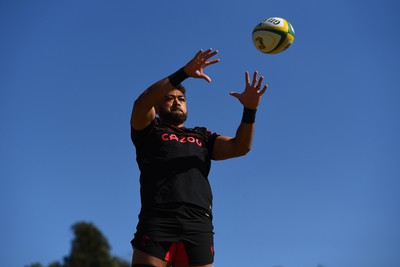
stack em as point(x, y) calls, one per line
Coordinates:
point(273, 35)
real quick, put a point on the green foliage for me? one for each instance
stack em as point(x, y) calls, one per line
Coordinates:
point(89, 248)
point(36, 264)
point(120, 262)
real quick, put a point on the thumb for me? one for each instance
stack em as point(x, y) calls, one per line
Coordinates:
point(237, 95)
point(205, 77)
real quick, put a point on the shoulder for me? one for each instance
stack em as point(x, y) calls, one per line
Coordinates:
point(139, 135)
point(202, 130)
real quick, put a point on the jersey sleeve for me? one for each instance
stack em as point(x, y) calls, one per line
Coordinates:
point(138, 136)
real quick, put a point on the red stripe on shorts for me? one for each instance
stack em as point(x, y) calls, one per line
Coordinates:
point(177, 254)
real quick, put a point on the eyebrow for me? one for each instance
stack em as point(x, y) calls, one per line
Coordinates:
point(174, 95)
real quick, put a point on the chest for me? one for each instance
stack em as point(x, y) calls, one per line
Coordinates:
point(167, 144)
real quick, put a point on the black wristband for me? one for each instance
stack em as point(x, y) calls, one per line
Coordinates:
point(177, 77)
point(249, 115)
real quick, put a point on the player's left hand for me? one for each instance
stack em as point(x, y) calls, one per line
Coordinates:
point(251, 96)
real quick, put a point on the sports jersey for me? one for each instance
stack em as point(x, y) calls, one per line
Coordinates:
point(174, 164)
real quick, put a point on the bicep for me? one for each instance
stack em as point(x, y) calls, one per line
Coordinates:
point(224, 148)
point(142, 116)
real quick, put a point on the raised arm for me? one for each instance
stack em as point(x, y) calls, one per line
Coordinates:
point(143, 112)
point(226, 147)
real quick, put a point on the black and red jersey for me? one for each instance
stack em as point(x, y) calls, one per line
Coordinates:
point(174, 164)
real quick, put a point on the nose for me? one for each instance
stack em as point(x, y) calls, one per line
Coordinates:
point(176, 101)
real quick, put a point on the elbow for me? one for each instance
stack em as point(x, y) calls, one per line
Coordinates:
point(243, 151)
point(242, 148)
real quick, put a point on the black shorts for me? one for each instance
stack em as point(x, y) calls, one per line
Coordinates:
point(179, 234)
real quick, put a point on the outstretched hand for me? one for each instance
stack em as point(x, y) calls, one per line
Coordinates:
point(195, 67)
point(251, 96)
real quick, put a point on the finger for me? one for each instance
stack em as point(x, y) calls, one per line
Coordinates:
point(247, 78)
point(259, 84)
point(205, 54)
point(263, 90)
point(254, 79)
point(205, 77)
point(212, 62)
point(235, 94)
point(210, 54)
point(198, 53)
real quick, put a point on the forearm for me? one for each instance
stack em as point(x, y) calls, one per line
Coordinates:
point(143, 110)
point(226, 147)
point(243, 138)
point(158, 90)
point(229, 147)
point(153, 95)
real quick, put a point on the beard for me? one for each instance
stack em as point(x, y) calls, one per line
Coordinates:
point(175, 117)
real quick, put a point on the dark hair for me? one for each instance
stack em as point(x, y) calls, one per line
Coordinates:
point(181, 88)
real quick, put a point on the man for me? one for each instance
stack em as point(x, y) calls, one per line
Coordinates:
point(175, 222)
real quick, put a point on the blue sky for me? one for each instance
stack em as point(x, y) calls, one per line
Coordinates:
point(321, 184)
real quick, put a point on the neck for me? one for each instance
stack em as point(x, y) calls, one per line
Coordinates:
point(171, 123)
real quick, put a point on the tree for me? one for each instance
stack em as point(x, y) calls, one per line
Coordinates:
point(55, 264)
point(120, 262)
point(36, 264)
point(89, 248)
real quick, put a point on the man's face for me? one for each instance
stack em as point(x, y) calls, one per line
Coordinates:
point(172, 108)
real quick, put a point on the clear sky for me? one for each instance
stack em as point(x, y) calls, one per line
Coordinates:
point(321, 184)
